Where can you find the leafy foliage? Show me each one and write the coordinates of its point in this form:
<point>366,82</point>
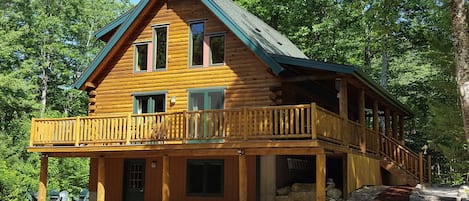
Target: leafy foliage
<point>415,39</point>
<point>44,44</point>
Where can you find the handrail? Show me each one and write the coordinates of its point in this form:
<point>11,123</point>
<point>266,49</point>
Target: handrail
<point>402,156</point>
<point>273,122</point>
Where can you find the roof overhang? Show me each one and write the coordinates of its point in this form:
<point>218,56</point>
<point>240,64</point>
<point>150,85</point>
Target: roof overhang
<point>348,70</point>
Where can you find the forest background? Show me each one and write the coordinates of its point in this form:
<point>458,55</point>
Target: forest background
<point>405,45</point>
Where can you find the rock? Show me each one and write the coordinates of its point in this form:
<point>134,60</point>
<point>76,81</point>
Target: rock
<point>334,193</point>
<point>463,192</point>
<point>284,191</point>
<point>303,187</point>
<point>302,196</point>
<point>331,191</point>
<point>282,198</point>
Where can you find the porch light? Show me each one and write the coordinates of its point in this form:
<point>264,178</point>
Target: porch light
<point>172,100</point>
<point>153,164</point>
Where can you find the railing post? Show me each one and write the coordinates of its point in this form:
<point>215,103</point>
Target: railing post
<point>76,131</point>
<point>246,128</point>
<point>421,167</point>
<point>129,128</point>
<point>314,119</point>
<point>186,127</point>
<point>32,135</point>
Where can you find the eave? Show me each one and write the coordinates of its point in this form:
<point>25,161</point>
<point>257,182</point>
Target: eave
<point>345,69</point>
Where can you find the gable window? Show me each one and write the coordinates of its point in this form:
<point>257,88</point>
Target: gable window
<point>160,46</point>
<point>149,103</point>
<point>205,177</point>
<point>141,57</point>
<point>205,49</point>
<point>217,49</point>
<point>197,31</point>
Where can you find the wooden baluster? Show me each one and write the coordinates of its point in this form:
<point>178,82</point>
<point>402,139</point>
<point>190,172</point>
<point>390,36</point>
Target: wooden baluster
<point>245,123</point>
<point>297,121</point>
<point>76,131</point>
<point>186,127</point>
<point>129,129</point>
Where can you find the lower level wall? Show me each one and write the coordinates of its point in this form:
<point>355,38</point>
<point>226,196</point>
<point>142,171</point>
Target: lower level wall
<point>114,178</point>
<point>362,170</point>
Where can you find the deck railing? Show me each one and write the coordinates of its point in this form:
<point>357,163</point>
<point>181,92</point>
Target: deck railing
<point>275,122</point>
<point>239,124</point>
<point>300,122</point>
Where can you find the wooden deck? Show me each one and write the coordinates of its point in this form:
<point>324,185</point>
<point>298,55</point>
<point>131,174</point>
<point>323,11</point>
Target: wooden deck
<point>294,122</point>
<point>288,130</point>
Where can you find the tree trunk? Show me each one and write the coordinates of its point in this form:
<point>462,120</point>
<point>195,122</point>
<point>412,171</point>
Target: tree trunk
<point>367,49</point>
<point>44,87</point>
<point>384,68</point>
<point>461,56</point>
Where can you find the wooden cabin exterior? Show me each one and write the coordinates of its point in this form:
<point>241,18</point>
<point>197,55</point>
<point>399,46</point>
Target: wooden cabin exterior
<point>200,100</point>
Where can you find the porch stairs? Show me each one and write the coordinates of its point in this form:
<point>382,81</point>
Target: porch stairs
<point>402,162</point>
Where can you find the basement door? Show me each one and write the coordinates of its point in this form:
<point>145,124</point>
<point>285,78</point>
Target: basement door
<point>134,180</point>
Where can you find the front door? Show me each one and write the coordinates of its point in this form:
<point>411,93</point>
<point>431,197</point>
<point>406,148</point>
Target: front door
<point>205,124</point>
<point>134,180</point>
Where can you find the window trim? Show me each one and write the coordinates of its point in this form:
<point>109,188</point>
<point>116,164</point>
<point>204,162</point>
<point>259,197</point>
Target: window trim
<point>136,95</point>
<point>222,178</point>
<point>209,36</point>
<point>135,62</point>
<point>155,46</point>
<point>191,22</point>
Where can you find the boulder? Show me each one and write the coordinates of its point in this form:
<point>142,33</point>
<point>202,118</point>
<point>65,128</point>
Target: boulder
<point>282,198</point>
<point>303,187</point>
<point>284,191</point>
<point>302,196</point>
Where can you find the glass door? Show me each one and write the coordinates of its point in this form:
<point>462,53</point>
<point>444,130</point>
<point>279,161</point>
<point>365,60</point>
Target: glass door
<point>203,123</point>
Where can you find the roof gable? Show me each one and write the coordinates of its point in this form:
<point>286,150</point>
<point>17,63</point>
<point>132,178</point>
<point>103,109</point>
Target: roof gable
<point>112,42</point>
<point>262,39</point>
<point>273,48</point>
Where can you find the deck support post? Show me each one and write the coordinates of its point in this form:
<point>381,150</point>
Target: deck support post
<point>394,125</point>
<point>314,119</point>
<point>321,177</point>
<point>42,190</point>
<point>401,129</point>
<point>421,168</point>
<point>361,110</point>
<point>429,170</point>
<point>101,191</point>
<point>387,122</point>
<point>343,108</point>
<point>165,191</point>
<point>243,177</point>
<point>376,123</point>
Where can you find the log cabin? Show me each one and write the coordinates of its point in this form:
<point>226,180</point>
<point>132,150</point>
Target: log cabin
<point>201,100</point>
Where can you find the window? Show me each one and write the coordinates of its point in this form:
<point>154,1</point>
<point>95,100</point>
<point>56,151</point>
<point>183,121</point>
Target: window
<point>217,49</point>
<point>205,177</point>
<point>160,44</point>
<point>197,44</point>
<point>141,57</point>
<point>149,104</point>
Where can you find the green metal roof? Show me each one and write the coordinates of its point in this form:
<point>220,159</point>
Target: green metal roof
<point>113,25</point>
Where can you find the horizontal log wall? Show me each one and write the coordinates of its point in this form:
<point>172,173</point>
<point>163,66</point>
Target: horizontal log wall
<point>245,77</point>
